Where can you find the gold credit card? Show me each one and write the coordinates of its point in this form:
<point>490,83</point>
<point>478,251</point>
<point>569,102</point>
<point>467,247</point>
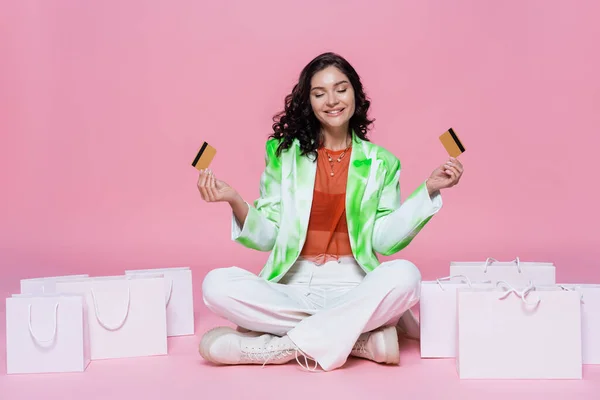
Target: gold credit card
<point>452,143</point>
<point>204,157</point>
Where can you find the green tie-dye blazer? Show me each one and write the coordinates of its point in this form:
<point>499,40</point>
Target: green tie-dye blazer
<point>377,221</point>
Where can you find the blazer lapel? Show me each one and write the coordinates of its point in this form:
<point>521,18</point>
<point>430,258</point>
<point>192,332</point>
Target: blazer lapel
<point>358,176</point>
<point>303,175</point>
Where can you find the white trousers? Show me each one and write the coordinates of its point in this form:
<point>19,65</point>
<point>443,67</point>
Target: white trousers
<point>323,309</point>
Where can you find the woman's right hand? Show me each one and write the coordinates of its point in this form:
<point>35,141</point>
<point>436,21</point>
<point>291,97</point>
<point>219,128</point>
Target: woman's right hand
<point>214,190</point>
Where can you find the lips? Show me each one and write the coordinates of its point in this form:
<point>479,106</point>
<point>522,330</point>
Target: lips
<point>334,113</point>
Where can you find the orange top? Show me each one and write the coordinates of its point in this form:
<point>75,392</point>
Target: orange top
<point>327,237</point>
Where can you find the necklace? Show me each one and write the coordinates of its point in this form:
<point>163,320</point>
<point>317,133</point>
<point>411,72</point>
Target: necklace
<point>341,156</point>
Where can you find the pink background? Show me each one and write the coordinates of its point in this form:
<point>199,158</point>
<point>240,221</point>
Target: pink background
<point>103,106</point>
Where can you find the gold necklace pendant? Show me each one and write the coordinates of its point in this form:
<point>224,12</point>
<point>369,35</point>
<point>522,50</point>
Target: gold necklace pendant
<point>339,159</point>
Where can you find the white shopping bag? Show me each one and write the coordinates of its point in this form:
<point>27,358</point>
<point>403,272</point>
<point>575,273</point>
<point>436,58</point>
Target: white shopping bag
<point>45,284</point>
<point>437,315</point>
<point>504,333</point>
<point>590,320</point>
<point>180,298</point>
<point>516,273</point>
<point>46,333</point>
<point>127,316</point>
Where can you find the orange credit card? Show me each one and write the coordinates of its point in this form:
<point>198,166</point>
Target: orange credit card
<point>452,143</point>
<point>204,157</point>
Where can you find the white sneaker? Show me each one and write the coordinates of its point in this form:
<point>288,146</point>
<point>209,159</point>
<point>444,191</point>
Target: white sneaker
<point>224,345</point>
<point>248,332</point>
<point>380,345</point>
<point>408,326</point>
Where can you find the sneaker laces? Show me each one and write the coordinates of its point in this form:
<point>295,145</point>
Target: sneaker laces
<point>276,353</point>
<point>306,358</point>
<point>266,354</point>
<point>360,346</point>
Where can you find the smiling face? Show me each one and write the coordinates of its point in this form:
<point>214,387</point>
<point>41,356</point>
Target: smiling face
<point>332,98</point>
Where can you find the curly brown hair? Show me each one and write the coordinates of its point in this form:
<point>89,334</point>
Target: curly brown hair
<point>298,121</point>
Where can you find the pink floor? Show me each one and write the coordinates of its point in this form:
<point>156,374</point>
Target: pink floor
<point>184,375</point>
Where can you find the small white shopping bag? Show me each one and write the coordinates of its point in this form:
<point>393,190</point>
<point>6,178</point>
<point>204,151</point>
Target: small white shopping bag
<point>180,298</point>
<point>590,320</point>
<point>516,273</point>
<point>437,315</point>
<point>127,316</point>
<point>505,333</point>
<point>46,333</point>
<point>45,284</point>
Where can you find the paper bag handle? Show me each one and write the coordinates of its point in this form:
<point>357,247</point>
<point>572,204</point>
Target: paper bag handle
<point>122,322</point>
<point>170,293</point>
<point>35,337</point>
<point>490,260</point>
<point>573,290</point>
<point>446,278</point>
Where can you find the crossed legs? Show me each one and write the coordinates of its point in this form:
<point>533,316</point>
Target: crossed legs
<point>326,333</point>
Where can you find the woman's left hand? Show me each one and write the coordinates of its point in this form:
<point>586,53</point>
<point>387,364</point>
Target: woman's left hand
<point>445,176</point>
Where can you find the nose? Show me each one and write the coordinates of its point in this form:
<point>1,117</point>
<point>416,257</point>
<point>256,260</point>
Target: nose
<point>332,100</point>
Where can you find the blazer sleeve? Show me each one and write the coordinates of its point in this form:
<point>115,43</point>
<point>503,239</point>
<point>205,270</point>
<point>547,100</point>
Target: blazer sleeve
<point>261,226</point>
<point>396,223</point>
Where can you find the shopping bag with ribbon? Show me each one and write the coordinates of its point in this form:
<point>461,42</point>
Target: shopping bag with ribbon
<point>590,319</point>
<point>517,273</point>
<point>510,333</point>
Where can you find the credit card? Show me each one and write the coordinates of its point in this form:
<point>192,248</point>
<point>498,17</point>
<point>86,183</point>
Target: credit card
<point>452,143</point>
<point>204,157</point>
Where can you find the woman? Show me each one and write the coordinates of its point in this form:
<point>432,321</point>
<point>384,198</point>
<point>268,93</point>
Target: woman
<point>329,200</point>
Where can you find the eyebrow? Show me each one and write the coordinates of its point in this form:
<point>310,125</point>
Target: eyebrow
<point>322,88</point>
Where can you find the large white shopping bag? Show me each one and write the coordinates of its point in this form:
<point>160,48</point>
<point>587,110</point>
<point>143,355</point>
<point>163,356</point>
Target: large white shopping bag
<point>590,320</point>
<point>437,315</point>
<point>127,316</point>
<point>180,298</point>
<point>46,333</point>
<point>505,333</point>
<point>45,284</point>
<point>516,273</point>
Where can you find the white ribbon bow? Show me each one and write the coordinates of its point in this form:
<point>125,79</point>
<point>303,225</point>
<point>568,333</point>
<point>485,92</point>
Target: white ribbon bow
<point>522,294</point>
